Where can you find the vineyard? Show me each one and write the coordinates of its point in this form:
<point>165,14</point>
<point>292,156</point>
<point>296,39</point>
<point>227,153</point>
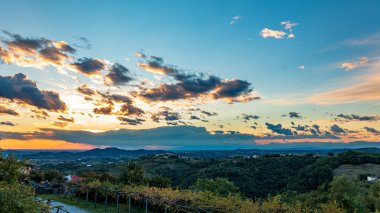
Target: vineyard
<point>153,199</point>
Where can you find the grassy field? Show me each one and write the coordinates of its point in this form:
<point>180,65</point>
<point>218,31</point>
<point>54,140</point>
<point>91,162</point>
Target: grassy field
<point>355,170</point>
<point>90,205</point>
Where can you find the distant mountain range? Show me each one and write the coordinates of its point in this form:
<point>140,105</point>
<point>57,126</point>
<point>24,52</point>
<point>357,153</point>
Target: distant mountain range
<point>110,152</point>
<point>113,152</point>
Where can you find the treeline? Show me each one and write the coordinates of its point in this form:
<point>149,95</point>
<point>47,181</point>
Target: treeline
<point>255,178</point>
<point>267,175</point>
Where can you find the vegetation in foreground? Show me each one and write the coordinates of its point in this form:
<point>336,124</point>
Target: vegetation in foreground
<point>16,197</point>
<point>308,188</point>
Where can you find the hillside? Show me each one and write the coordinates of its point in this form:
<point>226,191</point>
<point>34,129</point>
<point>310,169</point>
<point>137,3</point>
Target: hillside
<point>356,170</point>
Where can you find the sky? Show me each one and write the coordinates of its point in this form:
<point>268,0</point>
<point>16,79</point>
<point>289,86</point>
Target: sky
<point>189,74</point>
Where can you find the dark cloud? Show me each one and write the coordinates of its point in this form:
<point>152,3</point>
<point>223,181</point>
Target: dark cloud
<point>203,112</point>
<point>354,117</point>
<point>372,130</point>
<point>85,90</point>
<point>40,114</point>
<point>66,119</point>
<point>204,88</point>
<point>247,117</point>
<point>30,45</point>
<point>293,115</point>
<point>193,117</point>
<point>23,90</point>
<point>172,123</point>
<point>197,84</point>
<point>233,89</point>
<point>166,115</point>
<point>7,111</point>
<point>337,129</point>
<point>193,85</point>
<point>164,92</point>
<point>208,113</point>
<point>103,110</point>
<point>157,59</point>
<point>116,98</point>
<point>53,56</point>
<point>302,128</point>
<point>129,121</point>
<point>129,109</point>
<point>89,66</point>
<point>315,130</point>
<point>6,123</point>
<point>277,128</point>
<point>118,75</point>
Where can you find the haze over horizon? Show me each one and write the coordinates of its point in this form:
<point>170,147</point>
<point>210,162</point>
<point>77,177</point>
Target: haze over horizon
<point>178,75</point>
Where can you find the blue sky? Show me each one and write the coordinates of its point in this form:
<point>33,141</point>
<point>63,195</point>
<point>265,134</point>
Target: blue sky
<point>324,63</point>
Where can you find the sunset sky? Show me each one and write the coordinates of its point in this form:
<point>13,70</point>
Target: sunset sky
<point>188,74</point>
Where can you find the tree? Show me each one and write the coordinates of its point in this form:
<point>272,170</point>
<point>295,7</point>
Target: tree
<point>160,182</point>
<point>15,197</point>
<point>10,169</point>
<point>218,186</point>
<point>106,177</point>
<point>54,176</point>
<point>348,193</point>
<point>90,176</point>
<point>133,175</point>
<point>374,195</point>
<point>36,176</point>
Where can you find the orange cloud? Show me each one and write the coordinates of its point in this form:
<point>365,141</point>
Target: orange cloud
<point>42,144</point>
<point>354,64</point>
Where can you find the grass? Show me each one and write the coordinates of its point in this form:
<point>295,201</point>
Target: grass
<point>90,205</point>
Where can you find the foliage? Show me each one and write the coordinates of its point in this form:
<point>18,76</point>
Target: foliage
<point>10,169</point>
<point>106,177</point>
<point>160,182</point>
<point>217,186</point>
<point>175,198</point>
<point>374,195</point>
<point>14,196</point>
<point>37,176</point>
<point>134,174</point>
<point>54,176</point>
<point>348,193</point>
<point>331,207</point>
